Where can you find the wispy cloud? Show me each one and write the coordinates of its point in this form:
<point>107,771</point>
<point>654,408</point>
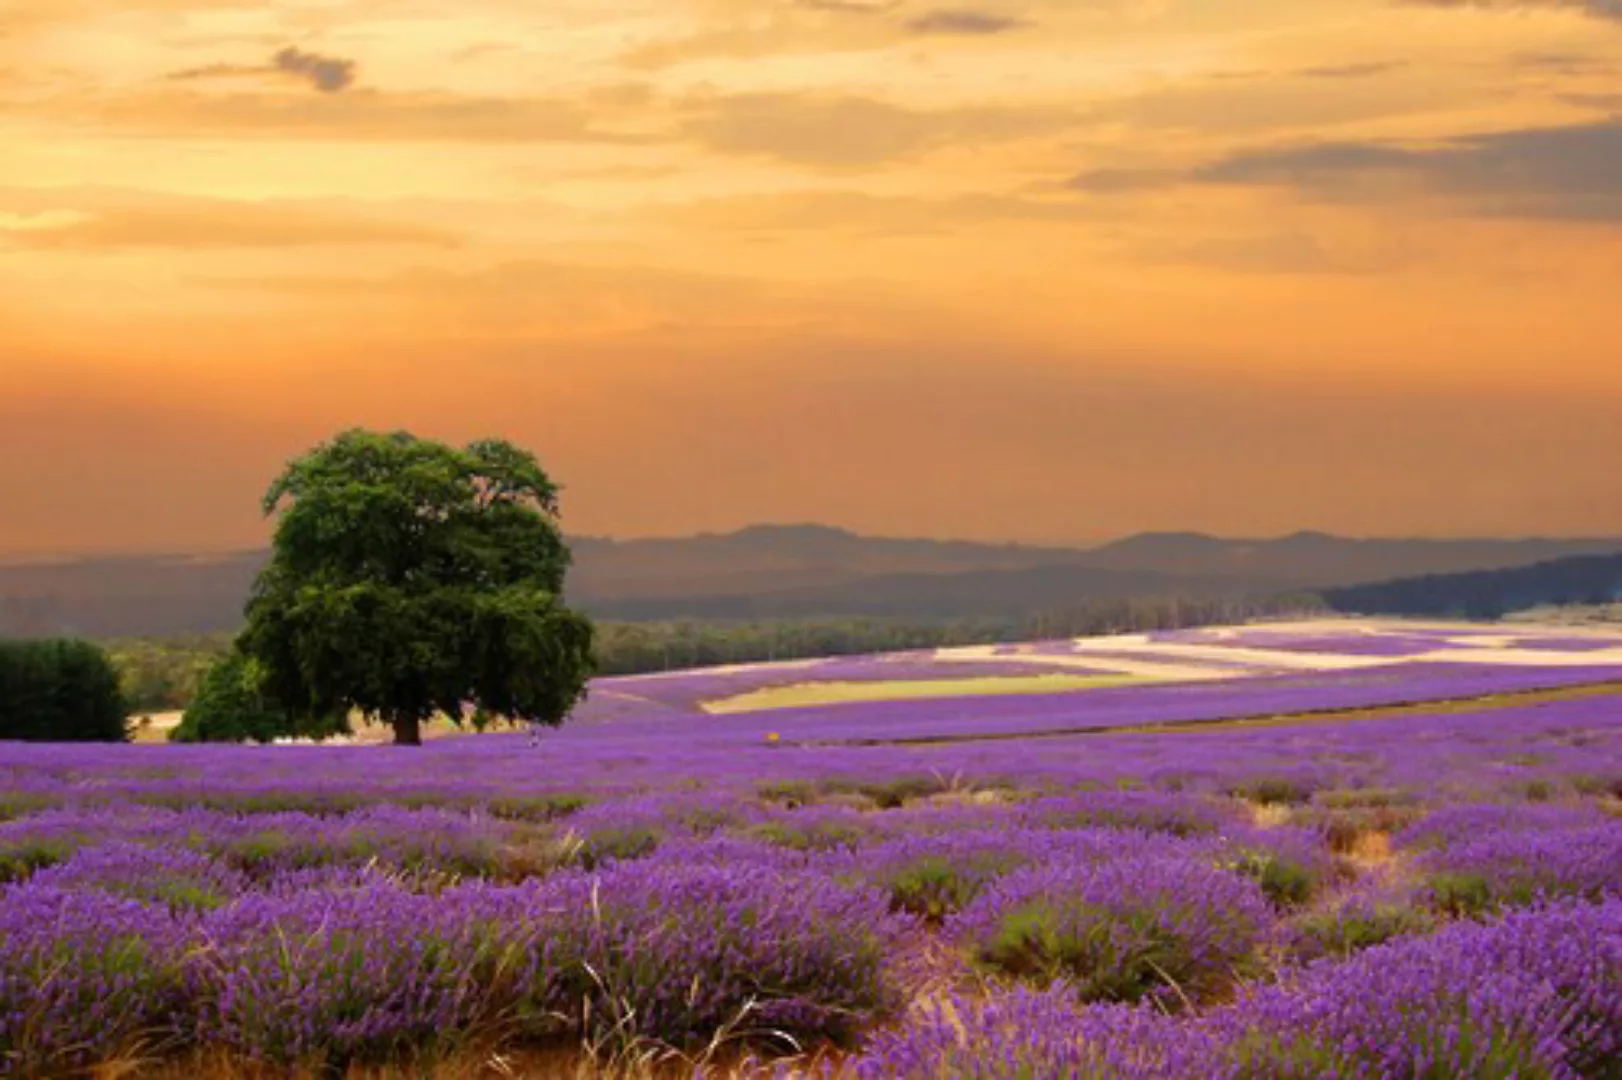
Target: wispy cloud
<point>843,132</point>
<point>965,22</point>
<point>1352,71</point>
<point>1566,172</point>
<point>210,225</point>
<point>1599,9</point>
<point>328,74</point>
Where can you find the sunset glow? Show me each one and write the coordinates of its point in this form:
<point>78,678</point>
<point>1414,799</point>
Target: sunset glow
<point>1028,269</point>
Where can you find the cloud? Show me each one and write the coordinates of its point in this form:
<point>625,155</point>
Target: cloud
<point>328,74</point>
<point>850,132</point>
<point>1599,9</point>
<point>1553,172</point>
<point>965,21</point>
<point>362,115</point>
<point>209,225</point>
<point>849,7</point>
<point>862,214</point>
<point>1352,71</point>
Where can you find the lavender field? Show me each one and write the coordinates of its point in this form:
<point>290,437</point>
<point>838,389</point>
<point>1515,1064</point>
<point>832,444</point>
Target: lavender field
<point>1275,853</point>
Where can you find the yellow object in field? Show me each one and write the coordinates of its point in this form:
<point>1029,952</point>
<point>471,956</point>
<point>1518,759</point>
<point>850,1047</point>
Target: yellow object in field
<point>772,737</point>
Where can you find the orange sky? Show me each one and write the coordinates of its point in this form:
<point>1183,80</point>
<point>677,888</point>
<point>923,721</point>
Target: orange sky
<point>1035,269</point>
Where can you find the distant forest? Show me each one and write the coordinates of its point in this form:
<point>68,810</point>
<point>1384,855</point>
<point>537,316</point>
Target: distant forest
<point>162,674</point>
<point>1488,594</point>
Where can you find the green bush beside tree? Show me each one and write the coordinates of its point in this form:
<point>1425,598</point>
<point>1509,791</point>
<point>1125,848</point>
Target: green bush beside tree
<point>60,691</point>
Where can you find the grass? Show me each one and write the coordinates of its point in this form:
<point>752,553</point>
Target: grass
<point>836,693</point>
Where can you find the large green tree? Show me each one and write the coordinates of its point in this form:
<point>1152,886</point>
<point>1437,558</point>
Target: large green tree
<point>409,578</point>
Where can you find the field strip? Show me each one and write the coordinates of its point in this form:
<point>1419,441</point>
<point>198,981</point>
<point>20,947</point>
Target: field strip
<point>845,692</point>
<point>1481,703</point>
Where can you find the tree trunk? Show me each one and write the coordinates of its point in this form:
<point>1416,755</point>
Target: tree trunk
<point>407,732</point>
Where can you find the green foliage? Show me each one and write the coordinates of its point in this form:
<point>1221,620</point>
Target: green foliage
<point>934,888</point>
<point>1465,895</point>
<point>1040,944</point>
<point>536,808</point>
<point>232,707</point>
<point>21,857</point>
<point>409,579</point>
<point>164,675</point>
<point>615,844</point>
<point>1341,933</point>
<point>59,691</point>
<point>1286,882</point>
<point>1274,791</point>
<point>814,835</point>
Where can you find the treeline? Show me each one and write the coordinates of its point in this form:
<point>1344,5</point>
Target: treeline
<point>1489,594</point>
<point>164,675</point>
<point>59,691</point>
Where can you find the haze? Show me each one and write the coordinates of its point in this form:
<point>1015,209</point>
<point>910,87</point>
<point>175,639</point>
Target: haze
<point>1038,269</point>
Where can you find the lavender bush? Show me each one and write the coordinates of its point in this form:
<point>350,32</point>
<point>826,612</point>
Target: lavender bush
<point>1126,930</point>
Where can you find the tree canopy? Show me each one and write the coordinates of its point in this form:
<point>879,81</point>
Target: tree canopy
<point>409,579</point>
<point>59,691</point>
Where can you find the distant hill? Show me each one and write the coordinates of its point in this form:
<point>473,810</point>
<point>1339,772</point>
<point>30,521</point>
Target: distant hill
<point>1586,579</point>
<point>1319,559</point>
<point>766,559</point>
<point>772,571</point>
<point>972,594</point>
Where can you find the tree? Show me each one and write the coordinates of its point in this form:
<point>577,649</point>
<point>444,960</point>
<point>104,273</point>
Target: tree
<point>231,706</point>
<point>60,691</point>
<point>409,578</point>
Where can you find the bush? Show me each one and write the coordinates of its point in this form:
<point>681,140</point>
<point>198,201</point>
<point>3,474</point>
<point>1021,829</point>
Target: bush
<point>230,707</point>
<point>934,876</point>
<point>1291,865</point>
<point>1119,931</point>
<point>1514,869</point>
<point>83,977</point>
<point>1034,1035</point>
<point>59,691</point>
<point>175,878</point>
<point>1538,994</point>
<point>677,950</point>
<point>1359,924</point>
<point>329,977</point>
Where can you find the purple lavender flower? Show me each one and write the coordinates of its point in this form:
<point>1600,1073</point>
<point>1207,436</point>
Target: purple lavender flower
<point>1170,929</point>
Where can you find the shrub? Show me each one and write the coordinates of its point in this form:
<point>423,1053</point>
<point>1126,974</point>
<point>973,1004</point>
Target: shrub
<point>1291,865</point>
<point>1034,1035</point>
<point>60,691</point>
<point>329,977</point>
<point>175,878</point>
<point>1274,791</point>
<point>1119,931</point>
<point>537,808</point>
<point>1359,924</point>
<point>934,876</point>
<point>230,707</point>
<point>1179,815</point>
<point>83,976</point>
<point>677,950</point>
<point>1515,868</point>
<point>1538,994</point>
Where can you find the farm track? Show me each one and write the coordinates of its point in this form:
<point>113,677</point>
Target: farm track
<point>1439,706</point>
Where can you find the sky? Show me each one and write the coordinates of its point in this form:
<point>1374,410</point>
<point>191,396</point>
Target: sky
<point>1046,270</point>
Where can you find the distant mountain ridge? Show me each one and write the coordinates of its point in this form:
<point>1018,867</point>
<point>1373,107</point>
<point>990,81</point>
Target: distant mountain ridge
<point>769,571</point>
<point>1578,579</point>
